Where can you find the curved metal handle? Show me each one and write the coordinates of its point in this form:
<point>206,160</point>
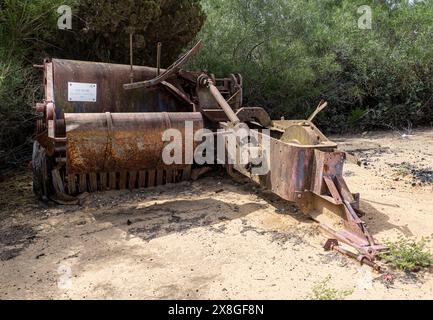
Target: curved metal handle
<point>173,69</point>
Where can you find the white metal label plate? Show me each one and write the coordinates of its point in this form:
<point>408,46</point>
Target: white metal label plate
<point>82,92</point>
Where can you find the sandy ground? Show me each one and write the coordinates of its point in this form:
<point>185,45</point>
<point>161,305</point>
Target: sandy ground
<point>214,238</point>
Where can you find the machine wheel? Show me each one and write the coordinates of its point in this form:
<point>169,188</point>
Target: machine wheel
<point>41,173</point>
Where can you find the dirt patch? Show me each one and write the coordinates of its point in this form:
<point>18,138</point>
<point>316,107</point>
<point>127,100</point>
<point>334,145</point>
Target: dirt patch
<point>14,239</point>
<point>16,193</point>
<point>412,172</point>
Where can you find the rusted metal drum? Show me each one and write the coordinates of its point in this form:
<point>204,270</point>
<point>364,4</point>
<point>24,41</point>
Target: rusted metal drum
<point>110,95</point>
<point>114,142</point>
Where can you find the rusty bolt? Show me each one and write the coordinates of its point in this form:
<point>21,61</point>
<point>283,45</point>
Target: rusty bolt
<point>204,80</point>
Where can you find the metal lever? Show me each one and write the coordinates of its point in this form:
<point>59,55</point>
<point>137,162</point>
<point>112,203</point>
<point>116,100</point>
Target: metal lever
<point>206,82</point>
<point>322,105</point>
<point>173,69</point>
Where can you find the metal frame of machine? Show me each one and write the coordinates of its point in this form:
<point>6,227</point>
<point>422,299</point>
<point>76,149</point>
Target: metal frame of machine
<point>115,142</point>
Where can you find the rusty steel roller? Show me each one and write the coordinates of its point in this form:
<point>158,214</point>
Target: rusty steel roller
<point>113,142</point>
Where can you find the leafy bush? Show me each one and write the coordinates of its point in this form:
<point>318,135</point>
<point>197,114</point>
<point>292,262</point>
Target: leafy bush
<point>17,94</point>
<point>101,30</point>
<point>408,254</point>
<point>294,53</point>
<point>24,24</point>
<point>322,291</point>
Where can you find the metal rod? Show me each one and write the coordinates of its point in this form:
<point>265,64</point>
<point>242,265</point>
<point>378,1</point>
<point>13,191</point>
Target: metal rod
<point>131,57</point>
<point>332,244</point>
<point>174,69</point>
<point>360,258</point>
<point>158,58</point>
<point>234,95</point>
<point>322,105</point>
<point>223,104</point>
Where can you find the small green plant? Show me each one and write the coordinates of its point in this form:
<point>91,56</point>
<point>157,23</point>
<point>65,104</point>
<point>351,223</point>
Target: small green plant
<point>408,254</point>
<point>403,169</point>
<point>322,291</point>
<point>356,115</point>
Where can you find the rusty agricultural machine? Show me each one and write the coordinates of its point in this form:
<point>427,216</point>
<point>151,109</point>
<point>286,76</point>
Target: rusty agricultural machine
<point>102,125</point>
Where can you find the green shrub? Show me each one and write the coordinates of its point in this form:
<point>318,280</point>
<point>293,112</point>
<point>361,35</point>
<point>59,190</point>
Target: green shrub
<point>322,291</point>
<point>18,91</point>
<point>24,26</point>
<point>101,30</point>
<point>294,53</point>
<point>408,254</point>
